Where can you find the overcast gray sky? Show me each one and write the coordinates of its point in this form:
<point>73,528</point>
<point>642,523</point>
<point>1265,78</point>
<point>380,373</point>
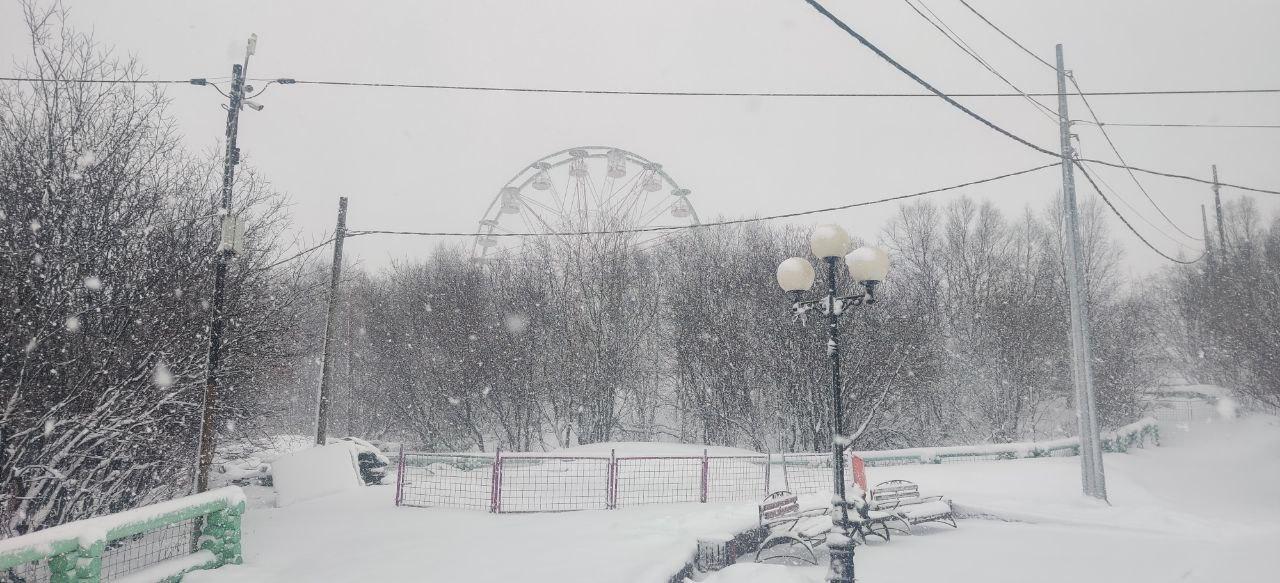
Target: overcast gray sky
<point>432,160</point>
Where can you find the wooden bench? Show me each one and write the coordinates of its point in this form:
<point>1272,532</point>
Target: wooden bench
<point>902,499</point>
<point>784,522</point>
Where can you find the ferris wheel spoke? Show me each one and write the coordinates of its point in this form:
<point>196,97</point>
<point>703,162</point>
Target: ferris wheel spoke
<point>661,210</point>
<point>545,225</point>
<point>629,186</point>
<point>555,195</point>
<point>529,201</point>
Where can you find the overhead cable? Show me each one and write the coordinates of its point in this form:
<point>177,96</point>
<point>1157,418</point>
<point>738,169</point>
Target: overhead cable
<point>357,233</point>
<point>1125,221</point>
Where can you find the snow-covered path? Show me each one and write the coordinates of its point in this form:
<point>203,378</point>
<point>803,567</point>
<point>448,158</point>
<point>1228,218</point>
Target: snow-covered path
<point>362,536</point>
<point>1205,507</point>
<point>1202,508</point>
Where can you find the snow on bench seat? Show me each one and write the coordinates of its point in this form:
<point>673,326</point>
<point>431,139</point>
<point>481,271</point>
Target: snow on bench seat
<point>925,511</point>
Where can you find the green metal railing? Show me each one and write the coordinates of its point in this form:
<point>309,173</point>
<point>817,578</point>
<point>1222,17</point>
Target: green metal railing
<point>73,552</point>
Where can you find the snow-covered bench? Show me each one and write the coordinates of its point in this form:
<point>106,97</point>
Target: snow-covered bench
<point>903,501</point>
<point>786,523</point>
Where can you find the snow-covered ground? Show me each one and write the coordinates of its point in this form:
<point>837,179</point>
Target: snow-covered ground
<point>1202,508</point>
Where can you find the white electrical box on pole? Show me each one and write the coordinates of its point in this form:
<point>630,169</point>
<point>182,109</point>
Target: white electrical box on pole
<point>1092,475</point>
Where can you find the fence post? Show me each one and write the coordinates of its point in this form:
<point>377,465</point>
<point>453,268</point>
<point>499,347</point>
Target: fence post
<point>768,465</point>
<point>612,491</point>
<point>400,476</point>
<point>221,535</point>
<point>704,475</point>
<point>495,483</point>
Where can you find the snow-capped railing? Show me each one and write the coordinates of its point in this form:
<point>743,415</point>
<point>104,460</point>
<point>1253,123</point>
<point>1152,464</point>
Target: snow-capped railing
<point>152,543</point>
<point>1137,433</point>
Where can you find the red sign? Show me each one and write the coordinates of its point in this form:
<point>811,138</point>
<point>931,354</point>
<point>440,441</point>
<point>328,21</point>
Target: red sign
<point>859,474</point>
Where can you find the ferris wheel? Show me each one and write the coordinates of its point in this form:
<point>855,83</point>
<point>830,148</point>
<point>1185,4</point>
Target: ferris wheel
<point>584,189</point>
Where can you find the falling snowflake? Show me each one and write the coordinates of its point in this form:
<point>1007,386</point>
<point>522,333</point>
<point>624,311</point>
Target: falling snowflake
<point>162,377</point>
<point>87,159</point>
<point>73,324</point>
<point>516,323</point>
<point>93,283</point>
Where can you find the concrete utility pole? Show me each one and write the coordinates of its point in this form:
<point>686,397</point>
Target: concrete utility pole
<point>1217,203</point>
<point>1091,471</point>
<point>331,323</point>
<point>222,257</point>
<point>1208,246</point>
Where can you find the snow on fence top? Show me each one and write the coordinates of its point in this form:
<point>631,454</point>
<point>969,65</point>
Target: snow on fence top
<point>1117,440</point>
<point>82,545</point>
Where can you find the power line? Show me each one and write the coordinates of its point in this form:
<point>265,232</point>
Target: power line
<point>483,88</point>
<point>503,89</point>
<point>299,254</point>
<point>109,81</point>
<point>861,39</point>
<point>1172,238</point>
<point>1179,176</point>
<point>1006,35</point>
<point>1120,157</point>
<point>822,10</point>
<point>357,233</point>
<point>1126,222</point>
<point>1260,126</point>
<point>955,39</point>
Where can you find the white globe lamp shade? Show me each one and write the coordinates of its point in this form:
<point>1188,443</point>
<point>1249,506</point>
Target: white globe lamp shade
<point>829,241</point>
<point>795,274</point>
<point>868,264</point>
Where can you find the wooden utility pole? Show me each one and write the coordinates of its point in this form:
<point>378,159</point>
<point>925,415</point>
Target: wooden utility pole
<point>222,257</point>
<point>351,387</point>
<point>1091,471</point>
<point>331,323</point>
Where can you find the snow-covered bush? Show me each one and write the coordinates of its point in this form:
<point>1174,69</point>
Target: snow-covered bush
<point>106,235</point>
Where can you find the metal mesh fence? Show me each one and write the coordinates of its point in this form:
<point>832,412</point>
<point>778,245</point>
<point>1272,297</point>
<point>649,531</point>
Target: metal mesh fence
<point>36,572</point>
<point>807,472</point>
<point>731,479</point>
<point>1172,413</point>
<point>548,484</point>
<point>130,554</point>
<point>542,483</point>
<point>446,480</point>
<point>658,480</point>
<point>123,556</point>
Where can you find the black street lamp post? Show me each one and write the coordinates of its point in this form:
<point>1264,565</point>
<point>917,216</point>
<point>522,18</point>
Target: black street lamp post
<point>867,266</point>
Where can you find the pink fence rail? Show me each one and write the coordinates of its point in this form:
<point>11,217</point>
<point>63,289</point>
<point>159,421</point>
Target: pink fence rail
<point>520,482</point>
